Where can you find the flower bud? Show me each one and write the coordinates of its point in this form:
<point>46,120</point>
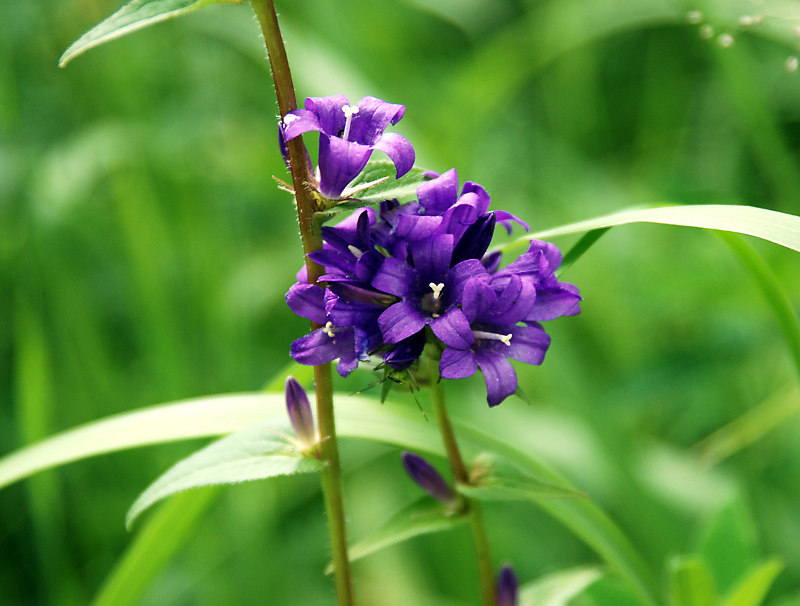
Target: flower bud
<point>507,592</point>
<point>427,477</point>
<point>300,412</point>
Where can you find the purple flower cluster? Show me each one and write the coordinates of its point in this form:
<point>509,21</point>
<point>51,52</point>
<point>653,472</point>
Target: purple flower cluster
<point>406,274</point>
<point>348,136</point>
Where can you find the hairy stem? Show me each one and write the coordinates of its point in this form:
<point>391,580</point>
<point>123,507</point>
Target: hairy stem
<point>312,240</point>
<point>460,476</point>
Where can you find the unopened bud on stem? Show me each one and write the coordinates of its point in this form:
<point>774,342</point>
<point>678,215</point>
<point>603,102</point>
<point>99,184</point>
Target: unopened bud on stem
<point>300,412</point>
<point>428,478</point>
<point>507,587</point>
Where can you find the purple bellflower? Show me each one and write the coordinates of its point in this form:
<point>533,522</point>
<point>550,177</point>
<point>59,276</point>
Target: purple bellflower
<point>348,136</point>
<point>424,474</point>
<point>507,591</point>
<point>406,274</point>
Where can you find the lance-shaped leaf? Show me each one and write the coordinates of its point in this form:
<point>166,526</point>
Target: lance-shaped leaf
<point>558,588</point>
<point>777,227</point>
<point>421,517</point>
<point>377,182</point>
<point>134,15</point>
<point>752,590</point>
<point>691,582</point>
<point>254,453</point>
<point>494,478</point>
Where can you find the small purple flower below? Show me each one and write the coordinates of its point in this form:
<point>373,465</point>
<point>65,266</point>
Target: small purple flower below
<point>300,412</point>
<point>507,592</point>
<point>348,136</point>
<point>428,478</point>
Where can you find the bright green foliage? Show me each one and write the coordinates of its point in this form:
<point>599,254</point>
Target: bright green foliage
<point>255,453</point>
<point>381,174</point>
<point>781,228</point>
<point>753,588</point>
<point>691,583</point>
<point>425,516</point>
<point>131,17</point>
<point>496,479</point>
<point>558,588</point>
<point>145,253</point>
<point>153,546</point>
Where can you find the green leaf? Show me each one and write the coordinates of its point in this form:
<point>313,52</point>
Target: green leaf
<point>497,479</point>
<point>749,428</point>
<point>422,517</point>
<point>254,453</point>
<point>773,291</point>
<point>196,418</point>
<point>780,228</point>
<point>558,588</point>
<point>153,547</point>
<point>381,174</point>
<point>581,246</point>
<point>752,590</point>
<point>134,15</point>
<point>728,543</point>
<point>356,417</point>
<point>691,582</point>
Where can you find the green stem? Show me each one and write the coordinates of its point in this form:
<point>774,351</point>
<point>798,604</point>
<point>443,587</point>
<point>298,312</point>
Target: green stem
<point>312,240</point>
<point>460,476</point>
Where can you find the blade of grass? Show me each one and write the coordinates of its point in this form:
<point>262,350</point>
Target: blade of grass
<point>165,532</point>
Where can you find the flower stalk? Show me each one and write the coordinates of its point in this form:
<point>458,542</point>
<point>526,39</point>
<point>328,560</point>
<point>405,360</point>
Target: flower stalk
<point>312,240</point>
<point>461,476</point>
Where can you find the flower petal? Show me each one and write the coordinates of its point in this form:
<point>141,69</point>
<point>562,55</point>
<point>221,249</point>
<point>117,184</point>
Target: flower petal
<point>307,301</point>
<point>475,240</point>
<point>453,329</point>
<point>501,380</point>
<point>550,251</point>
<point>328,111</point>
<point>459,274</point>
<point>414,227</point>
<point>477,299</point>
<point>554,303</point>
<point>506,218</point>
<point>340,162</point>
<point>373,116</point>
<point>483,199</point>
<point>327,257</point>
<point>318,347</point>
<point>515,299</point>
<point>298,122</point>
<point>492,261</point>
<point>528,344</point>
<point>399,322</point>
<point>457,363</point>
<point>398,149</point>
<point>432,257</point>
<point>403,355</point>
<point>440,193</point>
<point>395,277</point>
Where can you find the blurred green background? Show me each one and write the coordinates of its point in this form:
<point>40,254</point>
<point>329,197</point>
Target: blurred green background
<point>145,252</point>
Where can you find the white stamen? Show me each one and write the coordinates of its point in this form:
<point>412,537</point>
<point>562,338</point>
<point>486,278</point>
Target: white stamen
<point>437,290</point>
<point>349,112</point>
<point>328,329</point>
<point>491,336</point>
<point>357,252</point>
